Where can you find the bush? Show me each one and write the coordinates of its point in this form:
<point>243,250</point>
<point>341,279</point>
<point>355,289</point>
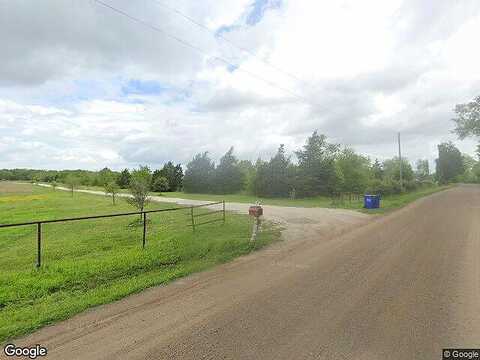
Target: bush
<point>160,184</point>
<point>411,185</point>
<point>426,183</point>
<point>384,187</point>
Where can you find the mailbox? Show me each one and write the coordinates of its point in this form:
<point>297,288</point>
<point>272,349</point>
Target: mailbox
<point>256,211</point>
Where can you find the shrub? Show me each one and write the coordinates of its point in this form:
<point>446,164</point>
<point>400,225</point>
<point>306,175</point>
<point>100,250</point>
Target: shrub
<point>160,184</point>
<point>384,187</point>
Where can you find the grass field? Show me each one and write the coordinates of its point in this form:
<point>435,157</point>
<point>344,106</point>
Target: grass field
<point>387,203</point>
<point>92,262</point>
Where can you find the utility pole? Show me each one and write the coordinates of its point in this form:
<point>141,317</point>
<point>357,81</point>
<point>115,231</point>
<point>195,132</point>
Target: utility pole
<point>400,159</point>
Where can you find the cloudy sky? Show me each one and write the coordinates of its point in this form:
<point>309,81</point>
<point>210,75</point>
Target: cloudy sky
<point>83,86</point>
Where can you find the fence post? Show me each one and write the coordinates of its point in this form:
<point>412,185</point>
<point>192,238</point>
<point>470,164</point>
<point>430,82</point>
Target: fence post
<point>223,211</point>
<point>144,229</point>
<point>39,244</point>
<point>193,219</point>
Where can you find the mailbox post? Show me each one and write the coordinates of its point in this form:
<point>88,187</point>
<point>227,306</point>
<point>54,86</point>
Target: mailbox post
<point>256,211</point>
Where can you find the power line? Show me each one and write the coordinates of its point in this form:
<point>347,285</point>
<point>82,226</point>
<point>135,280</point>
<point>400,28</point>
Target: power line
<point>215,34</point>
<point>197,49</point>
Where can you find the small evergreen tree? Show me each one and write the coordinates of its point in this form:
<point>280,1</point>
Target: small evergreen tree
<point>199,175</point>
<point>316,166</point>
<point>160,184</point>
<point>449,163</point>
<point>229,177</point>
<point>173,174</point>
<point>177,182</point>
<point>123,180</point>
<point>275,178</point>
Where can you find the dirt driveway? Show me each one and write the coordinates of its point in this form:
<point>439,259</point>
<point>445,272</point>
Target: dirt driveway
<point>402,286</point>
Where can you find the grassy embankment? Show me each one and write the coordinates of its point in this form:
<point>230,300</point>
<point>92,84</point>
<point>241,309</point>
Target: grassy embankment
<point>87,263</point>
<point>388,203</point>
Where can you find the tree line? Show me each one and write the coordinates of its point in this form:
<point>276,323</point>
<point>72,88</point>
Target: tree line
<point>318,168</point>
<point>323,168</point>
<point>168,178</point>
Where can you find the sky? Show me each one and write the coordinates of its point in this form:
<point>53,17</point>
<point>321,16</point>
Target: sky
<point>83,86</point>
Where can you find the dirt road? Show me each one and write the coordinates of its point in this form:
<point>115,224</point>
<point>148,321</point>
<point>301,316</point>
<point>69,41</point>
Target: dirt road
<point>401,287</point>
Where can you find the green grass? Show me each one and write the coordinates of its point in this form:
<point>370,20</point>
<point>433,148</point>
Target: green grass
<point>388,203</point>
<point>92,262</point>
<point>392,202</point>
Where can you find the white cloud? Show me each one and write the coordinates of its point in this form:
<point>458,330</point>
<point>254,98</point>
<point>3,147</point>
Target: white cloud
<point>368,69</point>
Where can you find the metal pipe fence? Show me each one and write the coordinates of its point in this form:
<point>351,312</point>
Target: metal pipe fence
<point>143,214</point>
<point>343,197</point>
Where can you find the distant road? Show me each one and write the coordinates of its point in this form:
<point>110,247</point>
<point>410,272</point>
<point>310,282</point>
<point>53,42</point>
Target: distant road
<point>400,287</point>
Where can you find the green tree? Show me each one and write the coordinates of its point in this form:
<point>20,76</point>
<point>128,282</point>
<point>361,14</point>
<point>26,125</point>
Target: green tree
<point>449,163</point>
<point>112,189</point>
<point>173,174</point>
<point>377,170</point>
<point>259,181</point>
<point>105,176</point>
<point>354,171</point>
<point>155,175</point>
<point>160,184</point>
<point>470,166</point>
<point>476,172</point>
<point>275,178</point>
<point>249,172</point>
<point>468,162</point>
<point>177,182</point>
<point>199,175</point>
<point>391,168</point>
<point>72,182</point>
<point>123,180</point>
<point>142,174</point>
<point>229,177</point>
<point>140,183</point>
<point>422,172</point>
<point>468,119</point>
<point>317,174</point>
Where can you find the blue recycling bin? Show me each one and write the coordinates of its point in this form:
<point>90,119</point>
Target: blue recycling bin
<point>371,201</point>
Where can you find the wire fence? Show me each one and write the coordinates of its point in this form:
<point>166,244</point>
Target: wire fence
<point>147,221</point>
<point>344,197</point>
